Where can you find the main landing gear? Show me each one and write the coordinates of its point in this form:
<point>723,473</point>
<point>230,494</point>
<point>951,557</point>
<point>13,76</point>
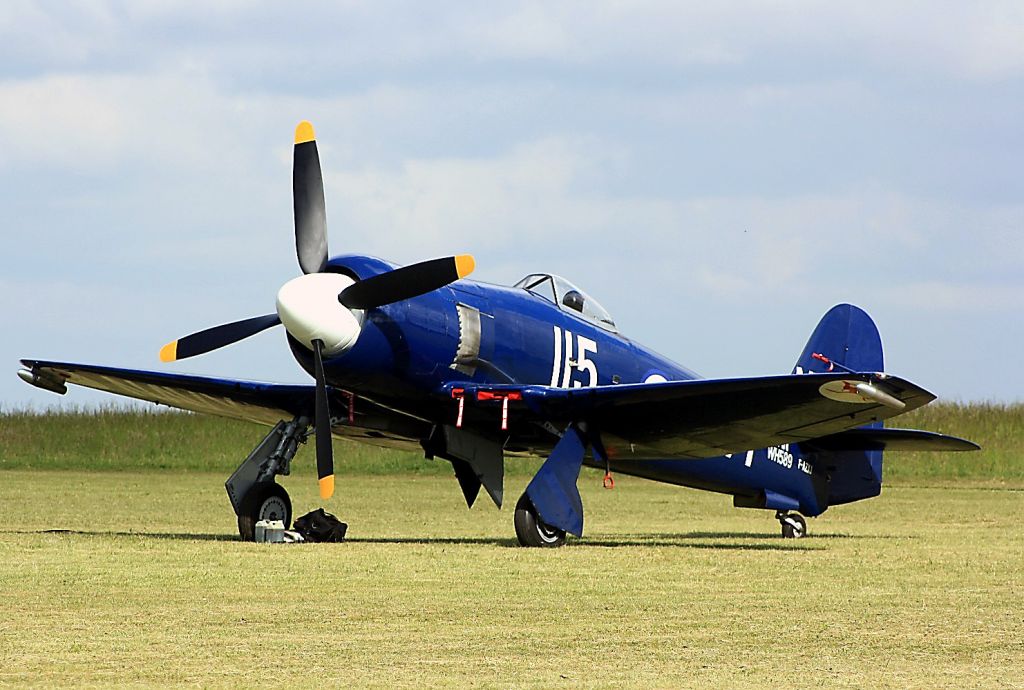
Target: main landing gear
<point>531,531</point>
<point>264,501</point>
<point>253,492</point>
<point>794,526</point>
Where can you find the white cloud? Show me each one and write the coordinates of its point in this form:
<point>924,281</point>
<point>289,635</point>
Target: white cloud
<point>528,202</point>
<point>981,40</point>
<point>484,202</point>
<point>90,122</point>
<point>64,120</point>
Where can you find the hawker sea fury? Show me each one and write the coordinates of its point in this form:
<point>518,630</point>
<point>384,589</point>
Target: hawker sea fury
<point>418,357</point>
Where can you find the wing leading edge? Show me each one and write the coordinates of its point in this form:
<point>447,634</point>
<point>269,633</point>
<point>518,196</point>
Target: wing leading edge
<point>263,403</point>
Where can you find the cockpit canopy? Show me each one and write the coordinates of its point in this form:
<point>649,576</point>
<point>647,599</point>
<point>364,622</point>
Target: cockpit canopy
<point>568,297</point>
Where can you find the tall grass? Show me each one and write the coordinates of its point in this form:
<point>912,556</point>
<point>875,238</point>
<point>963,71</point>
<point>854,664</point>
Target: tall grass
<point>997,427</point>
<point>141,438</point>
<point>119,438</point>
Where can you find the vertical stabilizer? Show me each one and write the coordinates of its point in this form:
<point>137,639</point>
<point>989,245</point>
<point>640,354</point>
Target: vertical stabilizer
<point>847,336</point>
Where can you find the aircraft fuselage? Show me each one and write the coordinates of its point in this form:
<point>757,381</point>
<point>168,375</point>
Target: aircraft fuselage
<point>412,353</point>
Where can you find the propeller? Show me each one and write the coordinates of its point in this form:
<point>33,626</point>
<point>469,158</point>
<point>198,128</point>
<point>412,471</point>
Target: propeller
<point>322,424</point>
<point>308,199</point>
<point>321,310</point>
<point>406,282</point>
<point>216,337</point>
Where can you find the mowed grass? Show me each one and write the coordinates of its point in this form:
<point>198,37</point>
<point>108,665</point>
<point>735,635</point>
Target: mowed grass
<point>998,428</point>
<point>921,587</point>
<point>119,564</point>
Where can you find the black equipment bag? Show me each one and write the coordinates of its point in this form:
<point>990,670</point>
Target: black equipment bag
<point>319,525</point>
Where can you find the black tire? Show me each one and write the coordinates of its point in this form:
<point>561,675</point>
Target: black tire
<point>266,501</point>
<point>794,526</point>
<point>531,531</point>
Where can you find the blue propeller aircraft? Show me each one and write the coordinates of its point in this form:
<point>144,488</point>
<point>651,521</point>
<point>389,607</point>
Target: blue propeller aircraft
<point>417,357</point>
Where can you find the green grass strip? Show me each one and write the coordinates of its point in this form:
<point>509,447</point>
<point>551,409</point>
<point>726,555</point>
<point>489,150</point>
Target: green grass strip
<point>136,438</point>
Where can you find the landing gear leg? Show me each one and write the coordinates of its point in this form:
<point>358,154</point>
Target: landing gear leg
<point>252,490</point>
<point>531,531</point>
<point>793,525</point>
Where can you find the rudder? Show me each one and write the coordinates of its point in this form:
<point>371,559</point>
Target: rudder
<point>847,336</point>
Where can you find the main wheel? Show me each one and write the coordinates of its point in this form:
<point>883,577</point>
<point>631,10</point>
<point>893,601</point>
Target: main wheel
<point>265,501</point>
<point>793,526</point>
<point>531,531</point>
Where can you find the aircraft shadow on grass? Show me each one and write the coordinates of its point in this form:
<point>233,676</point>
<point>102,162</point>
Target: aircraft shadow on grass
<point>689,540</point>
<point>614,541</point>
<point>183,536</point>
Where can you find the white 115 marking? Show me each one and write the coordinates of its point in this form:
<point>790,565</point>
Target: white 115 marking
<point>563,362</point>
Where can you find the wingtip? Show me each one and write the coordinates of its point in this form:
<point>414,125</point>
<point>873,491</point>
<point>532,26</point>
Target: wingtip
<point>169,352</point>
<point>304,132</point>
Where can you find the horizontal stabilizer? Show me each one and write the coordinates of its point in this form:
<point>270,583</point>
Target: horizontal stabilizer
<point>889,439</point>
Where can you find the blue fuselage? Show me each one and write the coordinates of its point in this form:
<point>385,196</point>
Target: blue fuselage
<point>410,354</point>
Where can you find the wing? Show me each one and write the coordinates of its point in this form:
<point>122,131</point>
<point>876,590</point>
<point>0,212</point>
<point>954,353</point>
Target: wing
<point>711,417</point>
<point>251,401</point>
<point>264,403</point>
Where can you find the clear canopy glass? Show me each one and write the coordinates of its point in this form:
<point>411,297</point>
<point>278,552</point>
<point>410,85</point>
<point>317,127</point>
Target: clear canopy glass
<point>568,297</point>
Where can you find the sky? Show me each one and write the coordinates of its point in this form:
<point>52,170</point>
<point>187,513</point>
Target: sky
<point>717,175</point>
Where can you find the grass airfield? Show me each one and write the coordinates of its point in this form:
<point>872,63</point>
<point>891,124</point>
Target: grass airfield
<point>922,587</point>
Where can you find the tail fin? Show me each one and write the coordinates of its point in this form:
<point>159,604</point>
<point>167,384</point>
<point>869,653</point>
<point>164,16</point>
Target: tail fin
<point>847,336</point>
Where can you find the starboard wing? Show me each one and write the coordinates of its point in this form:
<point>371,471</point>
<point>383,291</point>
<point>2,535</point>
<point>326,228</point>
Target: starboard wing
<point>711,417</point>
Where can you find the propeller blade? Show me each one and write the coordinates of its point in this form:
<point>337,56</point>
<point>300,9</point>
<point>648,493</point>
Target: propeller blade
<point>322,426</point>
<point>406,282</point>
<point>218,336</point>
<point>308,197</point>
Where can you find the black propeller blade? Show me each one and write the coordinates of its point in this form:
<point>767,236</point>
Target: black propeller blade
<point>322,425</point>
<point>218,336</point>
<point>406,282</point>
<point>308,197</point>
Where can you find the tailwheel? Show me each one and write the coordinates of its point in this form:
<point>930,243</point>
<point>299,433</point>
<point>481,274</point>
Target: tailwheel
<point>794,526</point>
<point>531,531</point>
<point>264,501</point>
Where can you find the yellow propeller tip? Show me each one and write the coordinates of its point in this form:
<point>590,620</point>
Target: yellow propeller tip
<point>304,132</point>
<point>464,264</point>
<point>169,352</point>
<point>326,487</point>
